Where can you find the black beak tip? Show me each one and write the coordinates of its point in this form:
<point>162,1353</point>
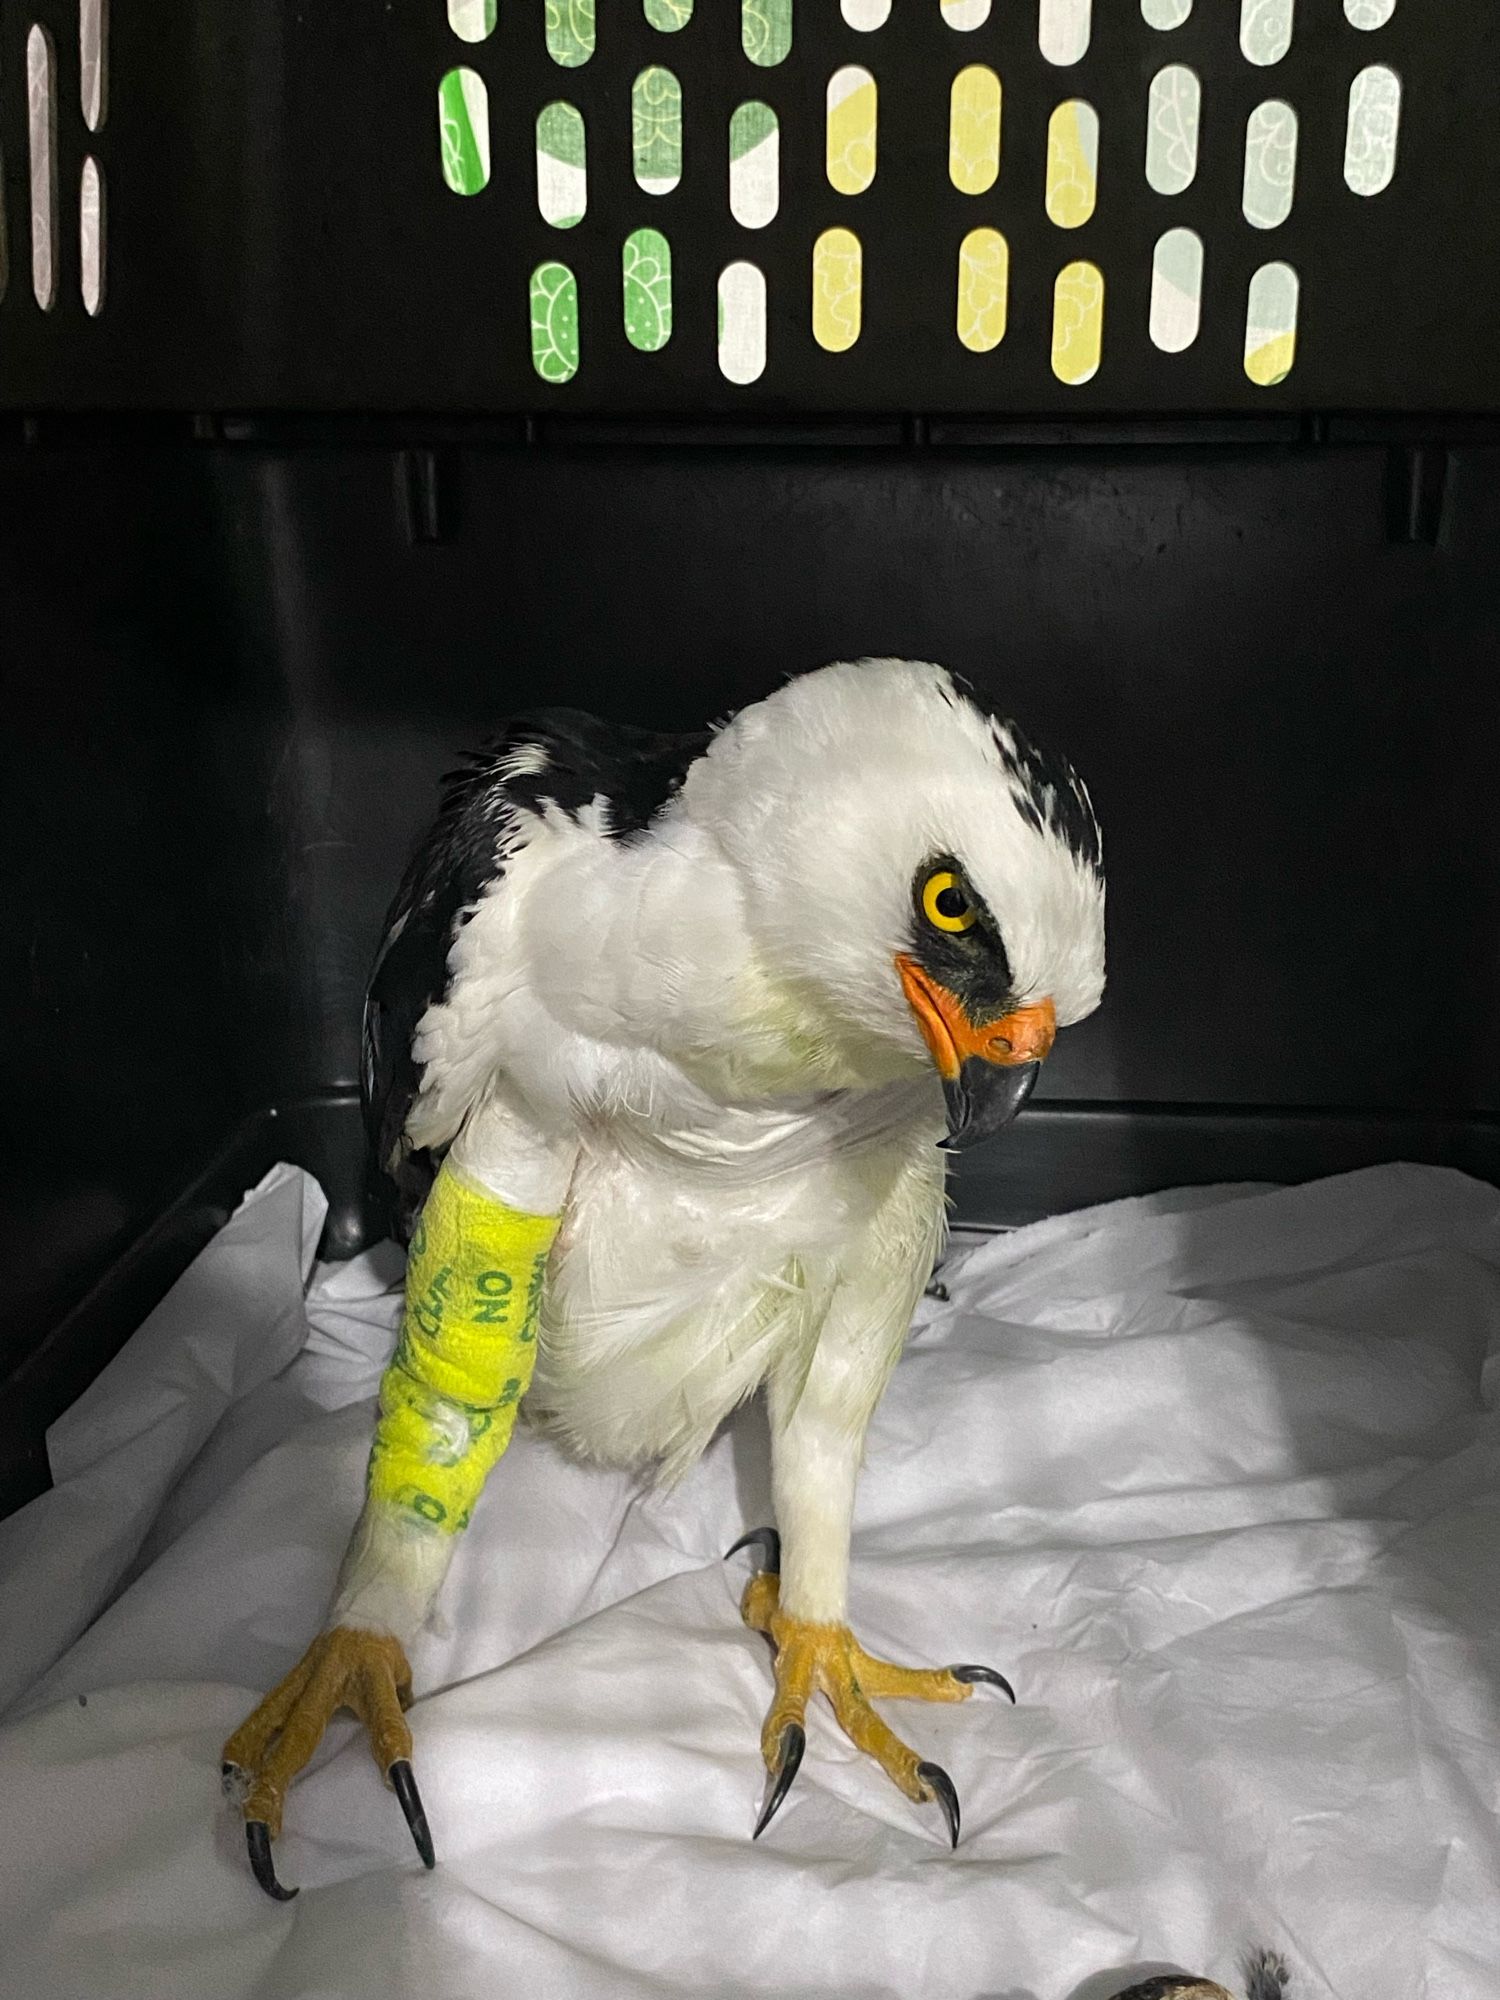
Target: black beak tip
<point>983,1099</point>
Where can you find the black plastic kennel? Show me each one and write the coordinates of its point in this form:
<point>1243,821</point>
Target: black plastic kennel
<point>368,375</point>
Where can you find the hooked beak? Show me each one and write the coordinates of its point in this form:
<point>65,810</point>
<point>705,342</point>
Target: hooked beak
<point>981,1100</point>
<point>988,1071</point>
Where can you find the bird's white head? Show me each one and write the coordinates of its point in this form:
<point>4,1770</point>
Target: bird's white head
<point>920,883</point>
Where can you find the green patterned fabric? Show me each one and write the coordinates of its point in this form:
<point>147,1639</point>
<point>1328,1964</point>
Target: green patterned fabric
<point>472,20</point>
<point>570,31</point>
<point>647,266</point>
<point>754,165</point>
<point>554,323</point>
<point>1374,125</point>
<point>1172,130</point>
<point>464,130</point>
<point>1265,30</point>
<point>751,124</point>
<point>669,15</point>
<point>766,31</point>
<point>656,127</point>
<point>559,132</point>
<point>561,165</point>
<point>1176,290</point>
<point>1270,164</point>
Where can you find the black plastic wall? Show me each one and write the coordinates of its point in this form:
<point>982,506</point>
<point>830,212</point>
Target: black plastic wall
<point>137,871</point>
<point>233,673</point>
<point>280,235</point>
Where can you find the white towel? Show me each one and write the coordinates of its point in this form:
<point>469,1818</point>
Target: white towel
<point>1213,1478</point>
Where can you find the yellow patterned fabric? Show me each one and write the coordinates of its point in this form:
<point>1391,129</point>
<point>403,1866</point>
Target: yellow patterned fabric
<point>983,284</point>
<point>974,130</point>
<point>851,139</point>
<point>838,269</point>
<point>466,1352</point>
<point>1077,323</point>
<point>1072,163</point>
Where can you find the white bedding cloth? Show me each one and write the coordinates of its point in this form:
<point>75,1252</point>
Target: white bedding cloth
<point>1212,1477</point>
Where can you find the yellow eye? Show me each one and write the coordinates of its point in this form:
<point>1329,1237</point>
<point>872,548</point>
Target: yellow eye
<point>944,903</point>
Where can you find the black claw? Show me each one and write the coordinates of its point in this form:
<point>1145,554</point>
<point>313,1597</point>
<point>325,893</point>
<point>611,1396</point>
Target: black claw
<point>793,1743</point>
<point>987,1675</point>
<point>765,1538</point>
<point>405,1785</point>
<point>941,1786</point>
<point>229,1778</point>
<point>258,1840</point>
<point>939,1291</point>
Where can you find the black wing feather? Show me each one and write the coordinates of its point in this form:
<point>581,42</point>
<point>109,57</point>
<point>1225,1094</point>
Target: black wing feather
<point>636,770</point>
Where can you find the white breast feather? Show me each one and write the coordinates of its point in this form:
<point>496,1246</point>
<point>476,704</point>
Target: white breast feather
<point>621,987</point>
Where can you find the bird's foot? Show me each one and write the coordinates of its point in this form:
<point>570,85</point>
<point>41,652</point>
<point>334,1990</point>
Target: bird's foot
<point>345,1668</point>
<point>815,1658</point>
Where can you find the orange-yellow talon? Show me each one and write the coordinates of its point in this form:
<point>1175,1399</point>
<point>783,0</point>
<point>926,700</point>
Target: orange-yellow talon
<point>893,1683</point>
<point>828,1659</point>
<point>345,1668</point>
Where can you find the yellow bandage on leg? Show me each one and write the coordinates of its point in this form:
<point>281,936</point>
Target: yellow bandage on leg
<point>464,1360</point>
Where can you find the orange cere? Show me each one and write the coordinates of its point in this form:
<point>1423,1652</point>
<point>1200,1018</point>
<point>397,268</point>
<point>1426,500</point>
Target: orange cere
<point>1024,1036</point>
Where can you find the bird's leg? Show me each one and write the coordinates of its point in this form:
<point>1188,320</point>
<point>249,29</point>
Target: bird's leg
<point>447,1407</point>
<point>801,1606</point>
